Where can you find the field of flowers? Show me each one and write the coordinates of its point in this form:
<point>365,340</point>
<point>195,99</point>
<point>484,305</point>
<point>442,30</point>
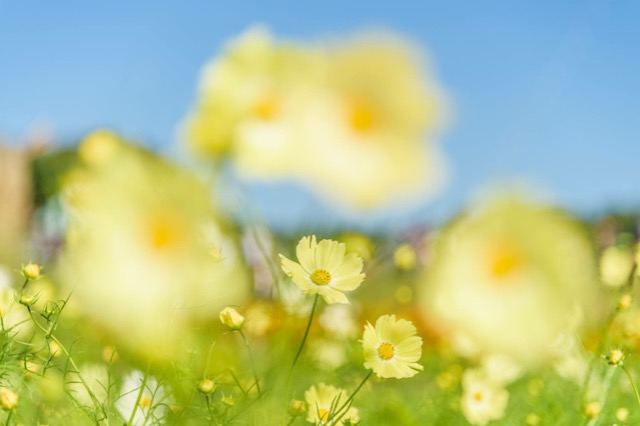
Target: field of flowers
<point>130,294</point>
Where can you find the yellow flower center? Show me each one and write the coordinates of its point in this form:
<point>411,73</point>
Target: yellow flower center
<point>164,231</point>
<point>362,117</point>
<point>505,259</point>
<point>478,396</point>
<point>386,351</point>
<point>323,414</point>
<point>145,401</point>
<point>321,277</point>
<point>266,108</point>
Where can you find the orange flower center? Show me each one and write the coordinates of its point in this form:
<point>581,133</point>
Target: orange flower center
<point>266,108</point>
<point>362,116</point>
<point>386,351</point>
<point>323,414</point>
<point>321,277</point>
<point>505,259</point>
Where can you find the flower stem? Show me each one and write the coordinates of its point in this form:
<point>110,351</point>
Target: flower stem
<point>633,385</point>
<point>335,418</point>
<point>9,418</point>
<point>306,333</point>
<point>139,397</point>
<point>251,363</point>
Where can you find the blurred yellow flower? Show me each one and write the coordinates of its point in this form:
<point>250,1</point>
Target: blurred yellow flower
<point>137,252</point>
<point>616,264</point>
<point>324,269</point>
<point>323,401</point>
<point>391,348</point>
<point>231,318</point>
<point>355,121</point>
<point>245,105</point>
<point>369,124</point>
<point>509,278</point>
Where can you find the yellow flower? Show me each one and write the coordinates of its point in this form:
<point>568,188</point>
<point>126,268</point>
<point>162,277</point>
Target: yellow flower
<point>137,253</point>
<point>324,269</point>
<point>370,123</point>
<point>8,399</point>
<point>231,318</point>
<point>616,264</point>
<point>31,271</point>
<point>391,348</point>
<point>510,277</point>
<point>323,401</point>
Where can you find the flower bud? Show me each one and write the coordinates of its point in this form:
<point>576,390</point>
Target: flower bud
<point>31,271</point>
<point>8,399</point>
<point>297,408</point>
<point>228,401</point>
<point>615,357</point>
<point>231,319</point>
<point>27,299</point>
<point>206,386</point>
<point>624,302</point>
<point>592,410</point>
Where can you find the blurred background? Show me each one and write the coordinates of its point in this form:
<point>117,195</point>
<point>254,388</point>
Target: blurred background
<point>544,94</point>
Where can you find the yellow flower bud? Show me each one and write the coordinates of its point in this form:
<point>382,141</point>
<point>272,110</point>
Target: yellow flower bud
<point>231,319</point>
<point>624,302</point>
<point>297,408</point>
<point>8,399</point>
<point>27,300</point>
<point>405,257</point>
<point>615,357</point>
<point>31,271</point>
<point>592,410</point>
<point>206,386</point>
<point>228,401</point>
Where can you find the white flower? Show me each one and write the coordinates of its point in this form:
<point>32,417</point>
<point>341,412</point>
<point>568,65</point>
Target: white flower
<point>153,401</point>
<point>483,399</point>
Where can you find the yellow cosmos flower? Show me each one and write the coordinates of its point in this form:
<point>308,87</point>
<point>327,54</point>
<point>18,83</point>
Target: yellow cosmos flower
<point>323,401</point>
<point>137,255</point>
<point>324,269</point>
<point>391,348</point>
<point>510,277</point>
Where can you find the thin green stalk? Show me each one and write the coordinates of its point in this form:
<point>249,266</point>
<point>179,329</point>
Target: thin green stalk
<point>49,335</point>
<point>251,363</point>
<point>633,385</point>
<point>139,397</point>
<point>335,418</point>
<point>9,418</point>
<point>306,333</point>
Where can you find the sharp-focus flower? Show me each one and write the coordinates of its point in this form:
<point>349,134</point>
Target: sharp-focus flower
<point>323,401</point>
<point>391,348</point>
<point>509,277</point>
<point>137,254</point>
<point>483,399</point>
<point>324,269</point>
<point>153,401</point>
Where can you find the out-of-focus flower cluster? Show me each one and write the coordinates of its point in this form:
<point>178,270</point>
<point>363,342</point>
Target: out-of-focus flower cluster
<point>128,295</point>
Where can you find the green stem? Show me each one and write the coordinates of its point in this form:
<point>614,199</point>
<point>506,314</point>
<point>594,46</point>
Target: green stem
<point>139,397</point>
<point>8,418</point>
<point>48,335</point>
<point>633,385</point>
<point>306,333</point>
<point>335,418</point>
<point>251,363</point>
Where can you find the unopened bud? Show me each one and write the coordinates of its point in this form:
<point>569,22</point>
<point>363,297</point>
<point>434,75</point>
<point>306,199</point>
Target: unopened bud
<point>624,302</point>
<point>206,386</point>
<point>615,357</point>
<point>31,271</point>
<point>592,410</point>
<point>27,300</point>
<point>297,408</point>
<point>228,401</point>
<point>8,399</point>
<point>231,319</point>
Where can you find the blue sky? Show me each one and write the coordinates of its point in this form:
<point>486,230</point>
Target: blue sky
<point>542,92</point>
